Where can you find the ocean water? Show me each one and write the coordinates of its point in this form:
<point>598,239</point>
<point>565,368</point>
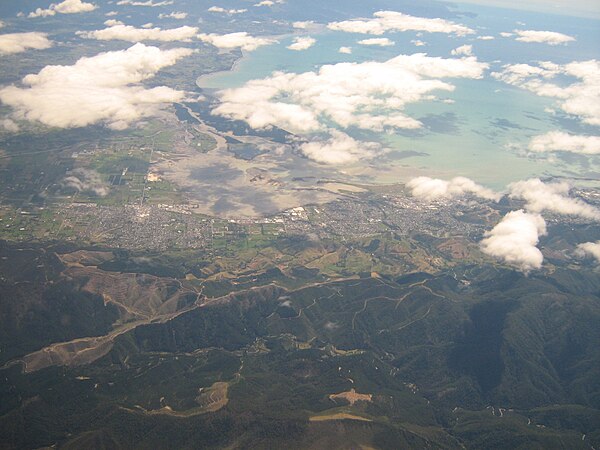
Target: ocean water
<point>484,133</point>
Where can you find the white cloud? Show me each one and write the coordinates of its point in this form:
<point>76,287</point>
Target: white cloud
<point>418,43</point>
<point>384,21</point>
<point>9,125</point>
<point>543,37</point>
<point>146,3</point>
<point>112,22</point>
<point>269,2</point>
<point>485,38</point>
<point>515,238</point>
<point>463,50</point>
<point>132,34</point>
<point>554,197</point>
<point>235,40</point>
<point>303,25</point>
<point>20,42</point>
<point>65,7</point>
<point>381,42</point>
<point>340,149</point>
<point>589,248</point>
<point>430,189</point>
<point>345,50</point>
<point>1,24</point>
<point>581,98</point>
<point>506,34</point>
<point>111,14</point>
<point>101,89</point>
<point>178,15</point>
<point>302,43</point>
<point>218,9</point>
<point>369,95</point>
<point>554,141</point>
<point>87,181</point>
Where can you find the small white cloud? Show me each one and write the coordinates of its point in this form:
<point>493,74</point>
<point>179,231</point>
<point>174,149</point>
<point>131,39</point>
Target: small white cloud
<point>430,189</point>
<point>178,15</point>
<point>131,34</point>
<point>235,40</point>
<point>485,38</point>
<point>463,50</point>
<point>302,43</point>
<point>218,9</point>
<point>86,181</point>
<point>515,238</point>
<point>9,125</point>
<point>384,21</point>
<point>105,88</point>
<point>146,3</point>
<point>418,43</point>
<point>589,249</point>
<point>269,2</point>
<point>381,42</point>
<point>543,37</point>
<point>345,50</point>
<point>303,25</point>
<point>505,34</point>
<point>20,42</point>
<point>65,7</point>
<point>340,149</point>
<point>540,196</point>
<point>112,22</point>
<point>111,14</point>
<point>554,141</point>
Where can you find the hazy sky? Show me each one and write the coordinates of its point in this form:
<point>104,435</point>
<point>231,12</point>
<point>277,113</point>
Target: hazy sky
<point>583,8</point>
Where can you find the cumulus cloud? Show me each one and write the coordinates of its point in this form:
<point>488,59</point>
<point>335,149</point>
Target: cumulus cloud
<point>580,98</point>
<point>589,249</point>
<point>146,3</point>
<point>463,50</point>
<point>381,42</point>
<point>86,181</point>
<point>112,22</point>
<point>515,238</point>
<point>340,149</point>
<point>434,189</point>
<point>554,197</point>
<point>486,38</point>
<point>554,141</point>
<point>302,43</point>
<point>9,125</point>
<point>543,37</point>
<point>178,15</point>
<point>20,42</point>
<point>235,40</point>
<point>268,2</point>
<point>129,33</point>
<point>303,25</point>
<point>345,50</point>
<point>66,7</point>
<point>384,21</point>
<point>101,89</point>
<point>369,95</point>
<point>218,9</point>
<point>418,43</point>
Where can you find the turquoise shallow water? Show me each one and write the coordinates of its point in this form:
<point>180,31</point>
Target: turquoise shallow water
<point>480,134</point>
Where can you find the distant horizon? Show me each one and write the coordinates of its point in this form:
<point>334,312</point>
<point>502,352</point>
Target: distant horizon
<point>575,8</point>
